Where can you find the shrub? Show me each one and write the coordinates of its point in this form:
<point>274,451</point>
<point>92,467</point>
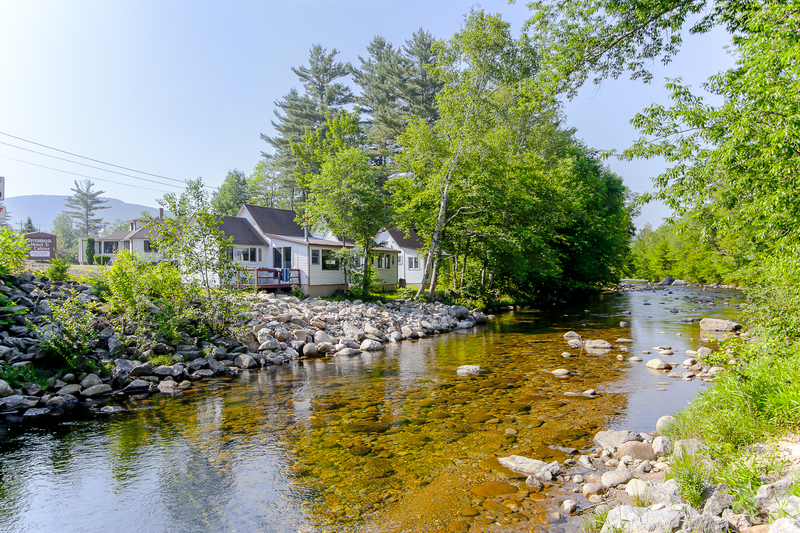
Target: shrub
<point>690,474</point>
<point>14,249</point>
<point>90,250</point>
<point>102,259</point>
<point>73,339</point>
<point>58,270</point>
<point>17,377</point>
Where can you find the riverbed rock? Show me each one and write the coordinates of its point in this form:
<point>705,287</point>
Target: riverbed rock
<point>637,488</point>
<point>571,335</point>
<point>493,489</point>
<point>168,387</point>
<point>719,324</point>
<point>611,440</point>
<point>217,367</point>
<point>662,446</point>
<point>521,464</point>
<point>348,352</point>
<point>560,372</point>
<point>90,381</point>
<point>145,369</point>
<point>369,345</point>
<point>168,371</point>
<point>664,422</point>
<point>598,344</point>
<point>95,391</point>
<point>785,525</point>
<point>612,478</point>
<point>459,311</point>
<point>469,370</point>
<point>136,386</point>
<point>575,343</point>
<point>637,450</point>
<point>592,489</point>
<point>5,389</point>
<point>657,364</point>
<point>245,361</point>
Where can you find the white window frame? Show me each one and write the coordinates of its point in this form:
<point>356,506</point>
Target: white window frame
<point>315,257</point>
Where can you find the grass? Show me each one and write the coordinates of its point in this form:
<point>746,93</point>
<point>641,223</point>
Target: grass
<point>750,403</point>
<point>593,522</point>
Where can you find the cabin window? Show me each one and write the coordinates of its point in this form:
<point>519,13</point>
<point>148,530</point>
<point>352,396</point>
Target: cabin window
<point>329,260</point>
<point>247,255</point>
<point>314,257</point>
<point>126,245</point>
<point>282,257</point>
<point>413,263</point>
<point>110,247</point>
<point>400,259</point>
<point>148,247</point>
<point>383,261</point>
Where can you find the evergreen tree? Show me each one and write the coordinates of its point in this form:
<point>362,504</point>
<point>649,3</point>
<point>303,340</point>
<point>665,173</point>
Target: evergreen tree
<point>382,78</point>
<point>82,207</point>
<point>296,112</point>
<point>233,192</point>
<point>29,226</point>
<point>423,84</point>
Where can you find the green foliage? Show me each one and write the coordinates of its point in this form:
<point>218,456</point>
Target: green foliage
<point>82,207</point>
<point>29,226</point>
<point>57,271</point>
<point>117,226</point>
<point>744,472</point>
<point>90,250</point>
<point>161,360</point>
<point>66,236</point>
<point>6,314</point>
<point>19,376</point>
<point>297,292</point>
<point>14,249</point>
<point>233,192</point>
<point>74,335</point>
<point>690,473</point>
<point>594,521</point>
<point>102,260</point>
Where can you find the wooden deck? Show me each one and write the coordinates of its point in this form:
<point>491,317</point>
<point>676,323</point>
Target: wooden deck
<point>269,278</point>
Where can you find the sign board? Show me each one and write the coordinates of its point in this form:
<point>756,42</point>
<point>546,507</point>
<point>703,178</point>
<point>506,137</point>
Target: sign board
<point>2,188</point>
<point>43,246</point>
<point>2,215</point>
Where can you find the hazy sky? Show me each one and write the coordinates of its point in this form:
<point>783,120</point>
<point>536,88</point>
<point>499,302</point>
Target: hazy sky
<point>184,89</point>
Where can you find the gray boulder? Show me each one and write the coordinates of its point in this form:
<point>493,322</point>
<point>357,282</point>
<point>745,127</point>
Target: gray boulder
<point>611,440</point>
<point>245,361</point>
<point>90,381</point>
<point>370,345</point>
<point>718,324</point>
<point>5,389</point>
<point>459,311</point>
<point>785,525</point>
<point>96,390</point>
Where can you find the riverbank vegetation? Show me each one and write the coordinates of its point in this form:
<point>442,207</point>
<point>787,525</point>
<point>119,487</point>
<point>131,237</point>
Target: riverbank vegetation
<point>731,184</point>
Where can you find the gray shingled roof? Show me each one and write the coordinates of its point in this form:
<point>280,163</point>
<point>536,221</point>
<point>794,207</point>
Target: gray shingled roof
<point>275,221</point>
<point>242,231</point>
<point>412,242</point>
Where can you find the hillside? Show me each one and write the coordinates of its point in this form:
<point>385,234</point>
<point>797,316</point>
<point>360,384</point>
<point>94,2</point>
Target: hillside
<point>43,208</point>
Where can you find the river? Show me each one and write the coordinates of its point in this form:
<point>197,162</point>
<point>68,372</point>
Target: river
<point>389,441</point>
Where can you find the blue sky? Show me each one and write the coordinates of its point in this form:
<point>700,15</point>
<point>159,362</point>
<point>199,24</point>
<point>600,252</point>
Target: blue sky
<point>184,89</point>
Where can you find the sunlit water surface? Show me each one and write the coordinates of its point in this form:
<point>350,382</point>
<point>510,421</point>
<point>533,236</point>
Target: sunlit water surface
<point>389,441</point>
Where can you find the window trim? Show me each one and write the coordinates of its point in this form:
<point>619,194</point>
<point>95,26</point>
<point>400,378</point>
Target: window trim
<point>316,257</point>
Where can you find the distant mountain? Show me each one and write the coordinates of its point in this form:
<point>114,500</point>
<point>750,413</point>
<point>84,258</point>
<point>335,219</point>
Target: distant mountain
<point>43,208</point>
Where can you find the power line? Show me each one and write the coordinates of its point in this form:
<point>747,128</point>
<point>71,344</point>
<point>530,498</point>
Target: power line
<point>84,175</point>
<point>90,166</point>
<point>89,158</point>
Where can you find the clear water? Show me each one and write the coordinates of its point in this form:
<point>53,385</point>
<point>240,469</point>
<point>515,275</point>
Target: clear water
<point>388,441</point>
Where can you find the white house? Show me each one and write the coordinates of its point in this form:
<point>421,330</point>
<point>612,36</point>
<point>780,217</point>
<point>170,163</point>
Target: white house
<point>410,265</point>
<point>135,239</point>
<point>309,259</point>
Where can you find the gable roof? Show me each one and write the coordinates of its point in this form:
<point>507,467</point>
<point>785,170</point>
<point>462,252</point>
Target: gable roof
<point>275,221</point>
<point>242,231</point>
<point>412,242</point>
<point>125,235</point>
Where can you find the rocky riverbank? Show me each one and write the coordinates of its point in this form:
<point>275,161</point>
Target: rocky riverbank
<point>622,485</point>
<point>281,329</point>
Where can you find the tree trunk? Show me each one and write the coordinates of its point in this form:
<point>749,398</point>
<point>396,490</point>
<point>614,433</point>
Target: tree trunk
<point>440,220</point>
<point>434,277</point>
<point>365,281</point>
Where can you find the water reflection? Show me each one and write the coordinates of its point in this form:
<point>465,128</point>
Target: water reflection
<point>380,442</point>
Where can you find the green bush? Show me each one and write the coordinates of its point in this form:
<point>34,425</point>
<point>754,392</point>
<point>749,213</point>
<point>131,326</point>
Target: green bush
<point>90,250</point>
<point>690,474</point>
<point>17,377</point>
<point>73,340</point>
<point>102,259</point>
<point>58,270</point>
<point>14,249</point>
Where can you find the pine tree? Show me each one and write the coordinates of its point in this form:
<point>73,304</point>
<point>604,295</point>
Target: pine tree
<point>423,84</point>
<point>296,112</point>
<point>29,226</point>
<point>82,206</point>
<point>383,81</point>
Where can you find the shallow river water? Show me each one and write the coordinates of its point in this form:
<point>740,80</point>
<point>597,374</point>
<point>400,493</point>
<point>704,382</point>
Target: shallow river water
<point>384,442</point>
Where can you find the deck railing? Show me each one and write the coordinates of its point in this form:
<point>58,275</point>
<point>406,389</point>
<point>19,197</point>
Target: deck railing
<point>270,277</point>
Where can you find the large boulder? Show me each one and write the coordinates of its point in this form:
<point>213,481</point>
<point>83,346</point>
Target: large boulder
<point>90,381</point>
<point>598,344</point>
<point>370,345</point>
<point>245,361</point>
<point>657,364</point>
<point>5,389</point>
<point>96,391</point>
<point>611,440</point>
<point>637,450</point>
<point>667,281</point>
<point>612,478</point>
<point>521,464</point>
<point>718,324</point>
<point>459,311</point>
